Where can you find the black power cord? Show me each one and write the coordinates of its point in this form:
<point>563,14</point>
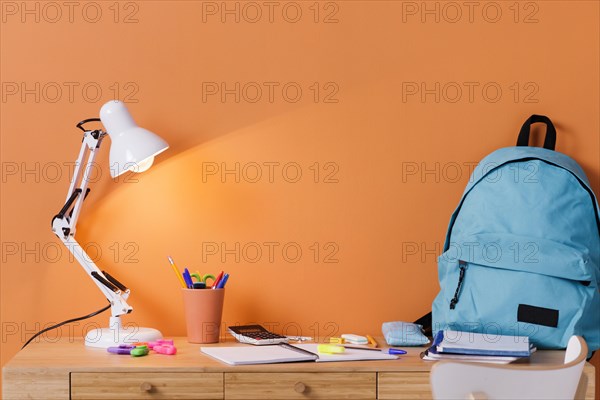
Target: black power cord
<point>65,322</point>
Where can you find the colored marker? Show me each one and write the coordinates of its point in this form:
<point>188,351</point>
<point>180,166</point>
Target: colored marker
<point>140,351</point>
<point>221,284</point>
<point>165,349</point>
<point>188,279</point>
<point>216,282</point>
<point>121,349</point>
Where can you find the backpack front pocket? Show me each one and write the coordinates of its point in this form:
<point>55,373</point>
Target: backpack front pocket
<point>540,297</point>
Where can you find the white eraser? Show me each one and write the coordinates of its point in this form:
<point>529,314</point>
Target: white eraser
<point>355,339</point>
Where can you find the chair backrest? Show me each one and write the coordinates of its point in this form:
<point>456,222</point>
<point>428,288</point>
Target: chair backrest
<point>461,380</point>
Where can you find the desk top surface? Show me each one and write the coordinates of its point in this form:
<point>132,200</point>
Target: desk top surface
<point>72,355</point>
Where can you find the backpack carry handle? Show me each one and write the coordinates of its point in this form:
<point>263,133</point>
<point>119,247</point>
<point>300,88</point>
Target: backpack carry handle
<point>549,141</point>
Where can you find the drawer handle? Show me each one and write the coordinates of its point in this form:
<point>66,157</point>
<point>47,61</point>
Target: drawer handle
<point>146,387</point>
<point>300,387</point>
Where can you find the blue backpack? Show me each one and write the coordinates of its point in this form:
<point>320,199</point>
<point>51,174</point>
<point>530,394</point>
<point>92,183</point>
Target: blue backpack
<point>522,252</point>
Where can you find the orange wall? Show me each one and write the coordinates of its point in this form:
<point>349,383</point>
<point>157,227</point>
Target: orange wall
<point>382,107</point>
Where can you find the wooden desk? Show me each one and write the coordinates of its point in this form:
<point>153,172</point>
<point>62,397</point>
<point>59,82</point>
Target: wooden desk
<point>65,370</point>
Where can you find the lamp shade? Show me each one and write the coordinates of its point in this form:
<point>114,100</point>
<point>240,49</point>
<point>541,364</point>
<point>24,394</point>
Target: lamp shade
<point>133,148</point>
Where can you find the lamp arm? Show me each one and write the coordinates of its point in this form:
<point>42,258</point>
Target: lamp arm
<point>116,297</point>
<point>90,144</point>
<point>63,225</point>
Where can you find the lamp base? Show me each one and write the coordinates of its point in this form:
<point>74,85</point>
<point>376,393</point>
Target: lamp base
<point>107,337</point>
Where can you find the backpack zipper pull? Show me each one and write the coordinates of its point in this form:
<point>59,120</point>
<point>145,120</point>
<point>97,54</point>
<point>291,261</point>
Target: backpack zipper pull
<point>463,267</point>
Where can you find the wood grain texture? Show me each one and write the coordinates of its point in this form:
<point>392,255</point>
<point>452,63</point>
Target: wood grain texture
<point>403,385</point>
<point>35,383</point>
<point>75,357</point>
<point>43,371</point>
<point>305,385</point>
<point>146,385</point>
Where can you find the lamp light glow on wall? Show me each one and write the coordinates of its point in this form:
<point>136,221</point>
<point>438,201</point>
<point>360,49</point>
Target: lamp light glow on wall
<point>133,149</point>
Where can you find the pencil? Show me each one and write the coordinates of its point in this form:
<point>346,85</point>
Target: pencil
<point>372,342</point>
<point>177,272</point>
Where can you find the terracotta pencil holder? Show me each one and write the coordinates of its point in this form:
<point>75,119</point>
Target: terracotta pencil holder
<point>203,310</point>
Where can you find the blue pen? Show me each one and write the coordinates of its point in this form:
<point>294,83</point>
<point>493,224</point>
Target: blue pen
<point>188,279</point>
<point>221,284</point>
<point>386,351</point>
<point>394,351</point>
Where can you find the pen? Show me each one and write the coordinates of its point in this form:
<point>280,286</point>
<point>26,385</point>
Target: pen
<point>299,338</point>
<point>176,272</point>
<point>223,281</point>
<point>387,351</point>
<point>188,279</point>
<point>393,351</point>
<point>216,282</point>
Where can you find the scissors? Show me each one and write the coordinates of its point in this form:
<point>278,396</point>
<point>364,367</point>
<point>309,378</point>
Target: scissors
<point>203,278</point>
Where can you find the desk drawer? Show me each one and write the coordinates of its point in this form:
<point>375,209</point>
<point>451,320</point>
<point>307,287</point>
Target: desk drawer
<point>302,385</point>
<point>146,385</point>
<point>404,385</point>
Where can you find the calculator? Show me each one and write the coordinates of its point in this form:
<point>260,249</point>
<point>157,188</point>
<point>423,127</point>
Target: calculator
<point>255,334</point>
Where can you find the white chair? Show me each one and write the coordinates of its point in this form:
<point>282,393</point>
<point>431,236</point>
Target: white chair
<point>461,380</point>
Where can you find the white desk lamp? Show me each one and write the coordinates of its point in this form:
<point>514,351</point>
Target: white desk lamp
<point>133,149</point>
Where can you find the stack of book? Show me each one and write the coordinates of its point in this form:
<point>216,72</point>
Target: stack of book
<point>480,347</point>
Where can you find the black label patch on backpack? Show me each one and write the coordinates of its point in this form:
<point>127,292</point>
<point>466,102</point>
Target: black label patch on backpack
<point>537,315</point>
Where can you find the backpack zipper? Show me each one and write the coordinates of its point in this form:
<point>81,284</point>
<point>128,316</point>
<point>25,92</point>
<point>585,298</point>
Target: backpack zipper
<point>461,276</point>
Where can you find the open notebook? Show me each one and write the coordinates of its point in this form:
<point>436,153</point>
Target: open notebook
<point>282,353</point>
